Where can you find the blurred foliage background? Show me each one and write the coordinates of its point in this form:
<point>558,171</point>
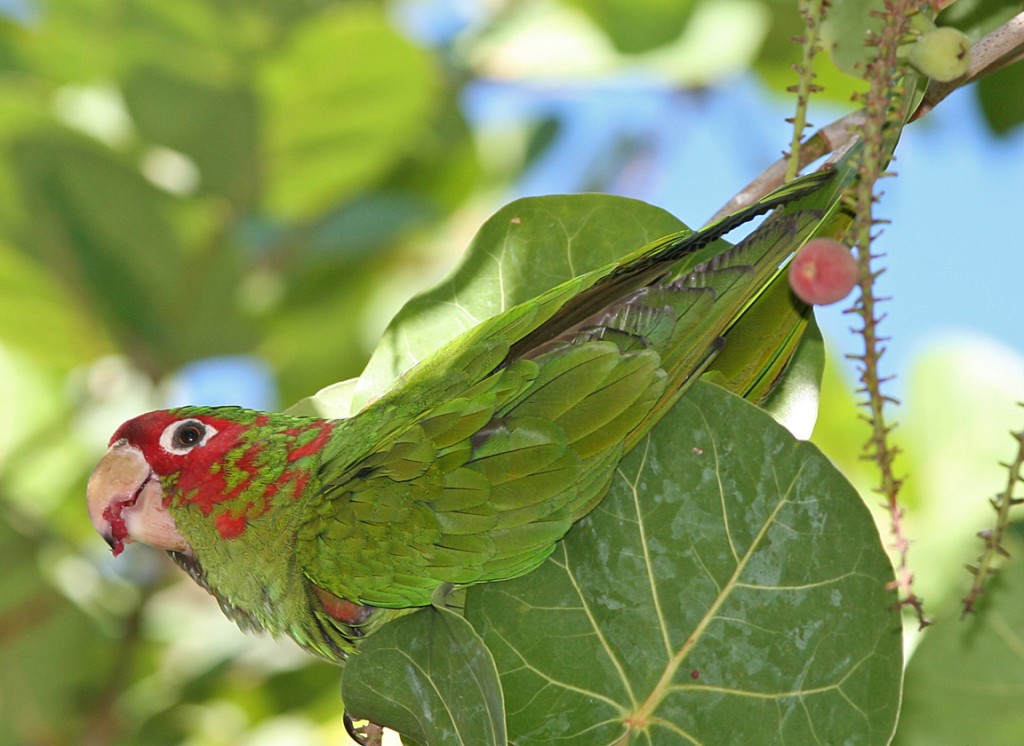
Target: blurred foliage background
<point>225,201</point>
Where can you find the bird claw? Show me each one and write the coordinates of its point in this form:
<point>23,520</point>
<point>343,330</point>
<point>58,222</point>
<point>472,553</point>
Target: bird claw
<point>356,734</point>
<point>369,734</point>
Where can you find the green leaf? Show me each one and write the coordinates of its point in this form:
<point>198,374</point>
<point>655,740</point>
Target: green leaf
<point>125,267</point>
<point>93,40</point>
<point>778,54</point>
<point>847,26</point>
<point>525,248</point>
<point>213,125</point>
<point>730,587</point>
<point>639,25</point>
<point>535,243</point>
<point>794,401</point>
<point>331,401</point>
<point>978,17</point>
<point>429,676</point>
<point>965,681</point>
<point>1000,101</point>
<point>37,318</point>
<point>346,97</point>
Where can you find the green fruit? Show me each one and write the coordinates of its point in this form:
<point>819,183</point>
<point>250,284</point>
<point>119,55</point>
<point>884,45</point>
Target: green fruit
<point>943,54</point>
<point>921,23</point>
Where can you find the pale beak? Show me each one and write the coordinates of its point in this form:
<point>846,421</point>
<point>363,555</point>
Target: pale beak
<point>126,502</point>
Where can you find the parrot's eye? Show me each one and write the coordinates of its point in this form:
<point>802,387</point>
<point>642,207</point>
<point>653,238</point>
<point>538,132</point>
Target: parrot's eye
<point>181,437</point>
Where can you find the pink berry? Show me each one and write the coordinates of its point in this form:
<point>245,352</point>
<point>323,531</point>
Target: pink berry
<point>822,272</point>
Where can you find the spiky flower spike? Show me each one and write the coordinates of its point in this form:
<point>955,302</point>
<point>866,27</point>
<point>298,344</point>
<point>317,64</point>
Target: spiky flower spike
<point>468,470</point>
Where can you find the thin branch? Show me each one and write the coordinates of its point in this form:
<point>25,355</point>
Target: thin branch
<point>993,537</point>
<point>813,12</point>
<point>884,103</point>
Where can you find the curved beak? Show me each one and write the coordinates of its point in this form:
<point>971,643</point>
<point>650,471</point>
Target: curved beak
<point>126,502</point>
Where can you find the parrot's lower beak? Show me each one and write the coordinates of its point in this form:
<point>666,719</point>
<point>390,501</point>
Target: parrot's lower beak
<point>126,502</point>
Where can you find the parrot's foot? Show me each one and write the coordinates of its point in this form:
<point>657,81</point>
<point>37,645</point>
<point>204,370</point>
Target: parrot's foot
<point>369,734</point>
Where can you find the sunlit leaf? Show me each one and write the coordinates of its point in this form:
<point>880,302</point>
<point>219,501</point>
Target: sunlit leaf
<point>731,586</point>
<point>331,401</point>
<point>533,244</point>
<point>346,97</point>
<point>36,317</point>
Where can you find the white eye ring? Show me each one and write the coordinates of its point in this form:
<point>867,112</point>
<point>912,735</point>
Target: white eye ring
<point>182,436</point>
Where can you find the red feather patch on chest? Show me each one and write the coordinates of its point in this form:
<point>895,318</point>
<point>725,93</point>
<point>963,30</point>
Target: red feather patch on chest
<point>242,483</point>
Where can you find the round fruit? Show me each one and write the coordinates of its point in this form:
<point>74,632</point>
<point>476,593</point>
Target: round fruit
<point>822,272</point>
<point>943,54</point>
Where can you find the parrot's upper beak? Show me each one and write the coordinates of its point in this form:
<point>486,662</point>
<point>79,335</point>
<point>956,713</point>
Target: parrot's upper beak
<point>126,502</point>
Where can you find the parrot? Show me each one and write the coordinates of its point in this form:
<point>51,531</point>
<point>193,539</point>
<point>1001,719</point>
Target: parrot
<point>470,467</point>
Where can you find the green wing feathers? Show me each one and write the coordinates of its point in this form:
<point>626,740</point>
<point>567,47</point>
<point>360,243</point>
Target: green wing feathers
<point>537,407</point>
<point>482,487</point>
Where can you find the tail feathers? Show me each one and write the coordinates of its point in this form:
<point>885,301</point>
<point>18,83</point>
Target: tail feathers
<point>688,245</point>
<point>671,316</point>
<point>652,264</point>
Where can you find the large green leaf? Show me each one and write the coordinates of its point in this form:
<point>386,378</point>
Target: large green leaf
<point>525,248</point>
<point>730,588</point>
<point>346,97</point>
<point>430,677</point>
<point>535,243</point>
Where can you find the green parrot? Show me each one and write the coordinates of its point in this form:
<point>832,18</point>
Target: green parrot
<point>472,465</point>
